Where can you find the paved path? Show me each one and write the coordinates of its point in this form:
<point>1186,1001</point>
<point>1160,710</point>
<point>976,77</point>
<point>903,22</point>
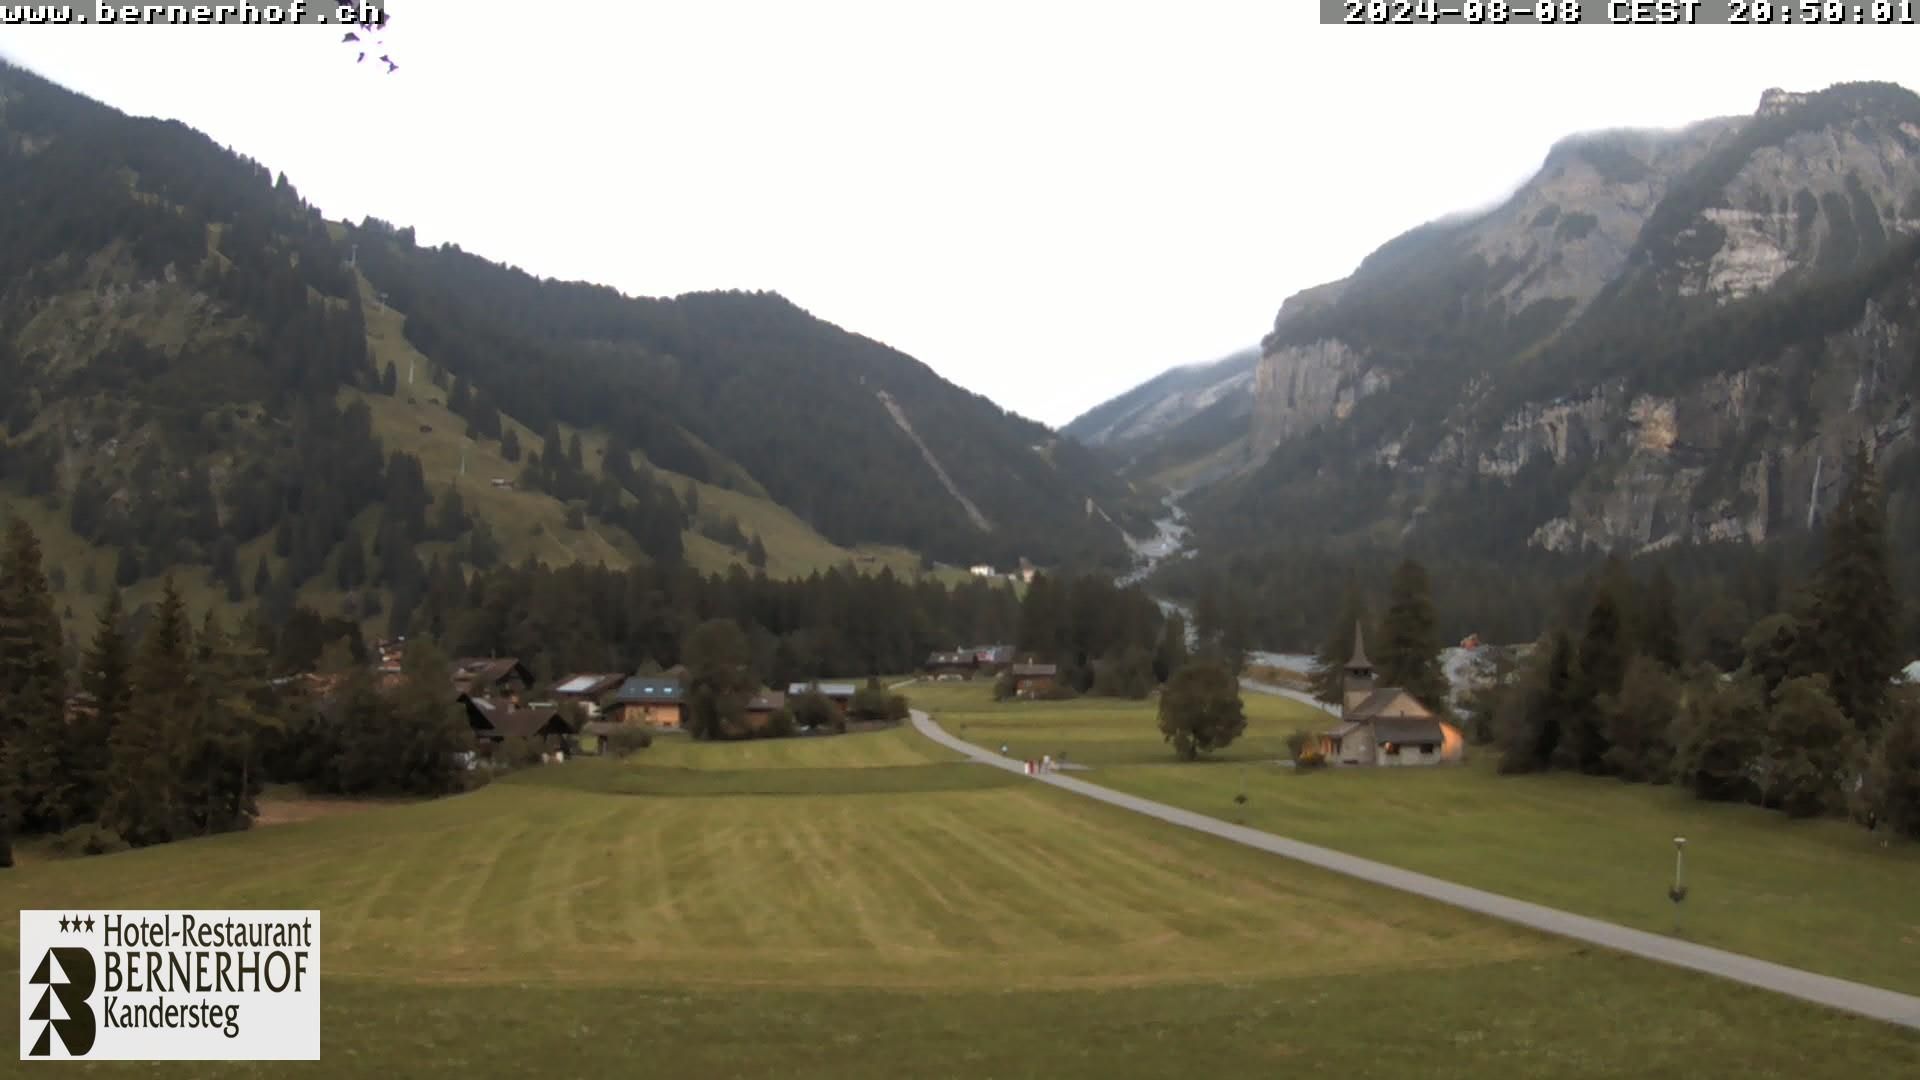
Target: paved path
<point>1853,997</point>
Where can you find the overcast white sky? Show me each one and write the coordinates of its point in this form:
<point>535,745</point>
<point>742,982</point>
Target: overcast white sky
<point>1047,200</point>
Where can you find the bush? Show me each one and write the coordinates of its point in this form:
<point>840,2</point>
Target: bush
<point>89,840</point>
<point>626,741</point>
<point>1303,749</point>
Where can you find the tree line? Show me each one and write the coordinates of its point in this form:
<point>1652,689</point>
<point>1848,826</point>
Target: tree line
<point>171,732</point>
<point>1811,721</point>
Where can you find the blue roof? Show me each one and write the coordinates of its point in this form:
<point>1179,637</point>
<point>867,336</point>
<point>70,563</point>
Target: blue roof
<point>644,689</point>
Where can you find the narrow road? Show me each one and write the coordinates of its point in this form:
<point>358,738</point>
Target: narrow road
<point>1888,1005</point>
<point>1289,693</point>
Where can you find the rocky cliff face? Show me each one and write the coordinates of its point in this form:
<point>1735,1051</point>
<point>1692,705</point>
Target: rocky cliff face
<point>1661,338</point>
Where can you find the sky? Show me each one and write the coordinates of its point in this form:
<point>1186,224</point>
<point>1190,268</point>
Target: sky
<point>1047,201</point>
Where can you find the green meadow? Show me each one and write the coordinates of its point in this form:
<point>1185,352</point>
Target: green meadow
<point>1821,895</point>
<point>869,906</point>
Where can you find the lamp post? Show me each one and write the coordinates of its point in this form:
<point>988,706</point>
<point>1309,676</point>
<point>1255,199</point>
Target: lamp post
<point>1678,894</point>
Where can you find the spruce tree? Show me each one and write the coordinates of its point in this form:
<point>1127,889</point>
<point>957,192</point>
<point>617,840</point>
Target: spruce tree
<point>1532,717</point>
<point>1855,610</point>
<point>1602,666</point>
<point>41,785</point>
<point>220,776</point>
<point>143,772</point>
<point>1657,632</point>
<point>1336,648</point>
<point>105,676</point>
<point>1170,655</point>
<point>1408,651</point>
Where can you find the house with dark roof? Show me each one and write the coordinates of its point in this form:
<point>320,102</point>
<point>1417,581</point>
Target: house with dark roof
<point>950,665</point>
<point>1031,679</point>
<point>760,711</point>
<point>491,676</point>
<point>658,701</point>
<point>494,721</point>
<point>1384,725</point>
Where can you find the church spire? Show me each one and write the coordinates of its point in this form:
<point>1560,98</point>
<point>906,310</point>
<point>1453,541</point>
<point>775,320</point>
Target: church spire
<point>1359,662</point>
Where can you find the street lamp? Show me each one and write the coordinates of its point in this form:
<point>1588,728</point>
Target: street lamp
<point>1678,893</point>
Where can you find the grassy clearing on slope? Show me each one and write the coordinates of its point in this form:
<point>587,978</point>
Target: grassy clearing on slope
<point>1820,895</point>
<point>528,928</point>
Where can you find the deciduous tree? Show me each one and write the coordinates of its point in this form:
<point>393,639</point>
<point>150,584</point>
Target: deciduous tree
<point>1200,709</point>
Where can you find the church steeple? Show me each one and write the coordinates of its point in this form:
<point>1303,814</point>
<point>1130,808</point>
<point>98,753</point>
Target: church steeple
<point>1359,674</point>
<point>1359,664</point>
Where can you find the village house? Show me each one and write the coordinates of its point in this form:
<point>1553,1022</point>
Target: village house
<point>588,691</point>
<point>489,676</point>
<point>760,711</point>
<point>1032,680</point>
<point>992,659</point>
<point>840,693</point>
<point>1384,725</point>
<point>950,665</point>
<point>655,700</point>
<point>495,722</point>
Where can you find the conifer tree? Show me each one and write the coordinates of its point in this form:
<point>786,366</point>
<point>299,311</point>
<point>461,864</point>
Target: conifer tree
<point>1532,719</point>
<point>1170,655</point>
<point>1602,666</point>
<point>1658,630</point>
<point>220,778</point>
<point>1408,652</point>
<point>105,676</point>
<point>1855,610</point>
<point>143,773</point>
<point>40,783</point>
<point>1336,649</point>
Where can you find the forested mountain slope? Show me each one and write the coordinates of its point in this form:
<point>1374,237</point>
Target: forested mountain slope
<point>1663,340</point>
<point>206,377</point>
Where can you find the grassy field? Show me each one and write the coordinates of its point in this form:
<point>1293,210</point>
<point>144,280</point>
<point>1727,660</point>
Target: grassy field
<point>1820,895</point>
<point>842,907</point>
<point>1097,731</point>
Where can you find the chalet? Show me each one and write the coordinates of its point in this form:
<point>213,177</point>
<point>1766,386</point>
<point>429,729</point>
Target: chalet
<point>992,659</point>
<point>490,676</point>
<point>951,665</point>
<point>655,700</point>
<point>1384,725</point>
<point>761,708</point>
<point>981,570</point>
<point>545,723</point>
<point>590,692</point>
<point>1032,680</point>
<point>840,693</point>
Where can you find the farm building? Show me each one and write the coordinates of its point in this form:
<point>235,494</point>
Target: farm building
<point>1385,725</point>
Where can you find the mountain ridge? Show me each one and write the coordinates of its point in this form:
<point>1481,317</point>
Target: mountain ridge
<point>215,381</point>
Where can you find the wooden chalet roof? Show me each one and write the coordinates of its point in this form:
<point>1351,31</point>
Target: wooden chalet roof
<point>522,723</point>
<point>1035,670</point>
<point>487,671</point>
<point>767,701</point>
